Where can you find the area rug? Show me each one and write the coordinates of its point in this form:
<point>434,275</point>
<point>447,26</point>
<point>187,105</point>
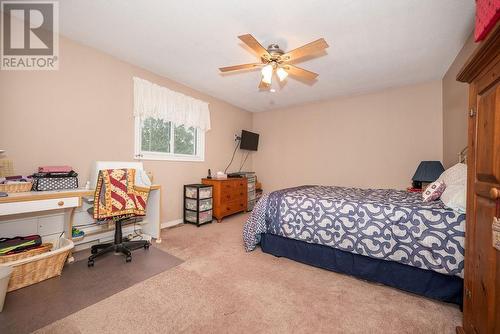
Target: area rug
<point>38,305</point>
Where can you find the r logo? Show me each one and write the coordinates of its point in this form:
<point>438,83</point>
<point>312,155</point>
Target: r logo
<point>29,29</point>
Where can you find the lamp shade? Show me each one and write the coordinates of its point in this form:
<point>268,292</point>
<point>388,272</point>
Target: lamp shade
<point>428,171</point>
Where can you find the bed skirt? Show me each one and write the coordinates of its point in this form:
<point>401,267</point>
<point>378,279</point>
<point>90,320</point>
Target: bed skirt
<point>411,279</point>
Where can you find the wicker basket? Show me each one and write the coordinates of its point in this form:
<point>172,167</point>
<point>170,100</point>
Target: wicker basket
<point>44,248</point>
<point>6,167</point>
<point>34,269</point>
<point>18,187</point>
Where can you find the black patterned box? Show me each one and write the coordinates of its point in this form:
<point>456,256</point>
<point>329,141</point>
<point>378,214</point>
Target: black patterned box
<point>55,183</point>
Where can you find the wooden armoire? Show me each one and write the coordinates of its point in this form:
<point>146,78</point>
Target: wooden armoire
<point>482,259</point>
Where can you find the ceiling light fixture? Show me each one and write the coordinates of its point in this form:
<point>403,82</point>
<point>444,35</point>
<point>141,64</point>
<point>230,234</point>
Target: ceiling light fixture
<point>267,73</point>
<point>279,60</point>
<point>272,90</point>
<point>282,74</point>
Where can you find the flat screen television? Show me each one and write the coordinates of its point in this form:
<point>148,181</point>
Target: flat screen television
<point>249,140</point>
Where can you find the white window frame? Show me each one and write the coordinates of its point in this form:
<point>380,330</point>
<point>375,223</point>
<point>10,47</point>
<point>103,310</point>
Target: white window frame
<point>139,154</point>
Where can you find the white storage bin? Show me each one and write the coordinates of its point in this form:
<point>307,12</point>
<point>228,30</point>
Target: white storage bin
<point>191,216</point>
<point>205,216</point>
<point>205,204</point>
<point>205,192</point>
<point>251,195</point>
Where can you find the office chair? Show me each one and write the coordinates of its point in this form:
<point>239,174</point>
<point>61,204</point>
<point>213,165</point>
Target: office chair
<point>118,198</point>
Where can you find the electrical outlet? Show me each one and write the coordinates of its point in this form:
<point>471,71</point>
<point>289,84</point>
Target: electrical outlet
<point>236,137</point>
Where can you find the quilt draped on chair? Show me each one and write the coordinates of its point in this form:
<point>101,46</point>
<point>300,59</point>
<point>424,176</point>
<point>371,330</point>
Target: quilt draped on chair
<point>117,195</point>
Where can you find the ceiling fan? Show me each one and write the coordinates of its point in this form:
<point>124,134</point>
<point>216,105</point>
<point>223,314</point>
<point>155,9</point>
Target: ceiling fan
<point>273,59</point>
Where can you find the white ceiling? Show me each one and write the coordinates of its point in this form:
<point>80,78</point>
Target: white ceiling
<point>373,44</point>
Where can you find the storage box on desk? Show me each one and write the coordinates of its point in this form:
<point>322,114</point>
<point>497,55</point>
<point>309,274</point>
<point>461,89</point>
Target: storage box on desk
<point>42,265</point>
<point>44,183</point>
<point>197,204</point>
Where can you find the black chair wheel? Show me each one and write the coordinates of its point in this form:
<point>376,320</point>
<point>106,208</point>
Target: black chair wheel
<point>90,263</point>
<point>128,259</point>
<point>146,246</point>
<point>93,251</point>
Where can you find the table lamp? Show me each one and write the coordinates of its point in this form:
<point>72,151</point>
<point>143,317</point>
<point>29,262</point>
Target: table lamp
<point>427,172</point>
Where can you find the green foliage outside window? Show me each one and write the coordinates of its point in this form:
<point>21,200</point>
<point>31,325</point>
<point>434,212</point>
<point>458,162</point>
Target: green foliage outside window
<point>184,140</point>
<point>157,134</point>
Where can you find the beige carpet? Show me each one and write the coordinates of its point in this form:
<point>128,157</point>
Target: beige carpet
<point>222,289</point>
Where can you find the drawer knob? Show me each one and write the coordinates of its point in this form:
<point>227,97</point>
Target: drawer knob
<point>494,193</point>
<point>60,203</point>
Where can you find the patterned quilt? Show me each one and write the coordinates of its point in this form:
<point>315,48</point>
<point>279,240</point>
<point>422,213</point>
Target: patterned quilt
<point>118,196</point>
<point>384,224</point>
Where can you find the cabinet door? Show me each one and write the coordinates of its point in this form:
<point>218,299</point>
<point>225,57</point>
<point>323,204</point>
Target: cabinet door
<point>482,286</point>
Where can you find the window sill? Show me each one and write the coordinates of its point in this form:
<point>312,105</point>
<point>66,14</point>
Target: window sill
<point>166,157</point>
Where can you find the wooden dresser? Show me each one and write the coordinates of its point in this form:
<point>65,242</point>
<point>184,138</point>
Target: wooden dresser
<point>482,235</point>
<point>229,196</point>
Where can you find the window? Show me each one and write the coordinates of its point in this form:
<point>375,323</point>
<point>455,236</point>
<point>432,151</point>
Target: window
<point>157,139</point>
<point>168,125</point>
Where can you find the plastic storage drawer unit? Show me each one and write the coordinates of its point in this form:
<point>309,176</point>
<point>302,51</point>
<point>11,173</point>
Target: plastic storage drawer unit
<point>197,204</point>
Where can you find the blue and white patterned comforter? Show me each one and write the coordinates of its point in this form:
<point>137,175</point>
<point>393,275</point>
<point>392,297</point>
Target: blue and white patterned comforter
<point>380,223</point>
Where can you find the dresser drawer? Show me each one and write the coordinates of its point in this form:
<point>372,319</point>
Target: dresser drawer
<point>241,184</point>
<point>39,205</point>
<point>229,208</point>
<point>232,194</point>
<point>234,183</point>
<point>226,187</point>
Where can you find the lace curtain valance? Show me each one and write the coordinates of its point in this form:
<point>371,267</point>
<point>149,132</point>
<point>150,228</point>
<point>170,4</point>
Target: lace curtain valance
<point>152,100</point>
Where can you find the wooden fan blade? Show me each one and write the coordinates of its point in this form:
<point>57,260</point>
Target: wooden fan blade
<point>299,72</point>
<point>253,44</point>
<point>305,50</point>
<point>239,67</point>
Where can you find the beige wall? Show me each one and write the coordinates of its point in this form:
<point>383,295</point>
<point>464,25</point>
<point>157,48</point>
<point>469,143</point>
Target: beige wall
<point>374,140</point>
<point>455,106</point>
<point>83,112</point>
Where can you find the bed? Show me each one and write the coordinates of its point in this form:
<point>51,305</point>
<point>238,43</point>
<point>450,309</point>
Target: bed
<point>381,235</point>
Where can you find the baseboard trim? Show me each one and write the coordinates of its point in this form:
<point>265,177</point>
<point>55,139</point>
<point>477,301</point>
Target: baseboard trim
<point>171,223</point>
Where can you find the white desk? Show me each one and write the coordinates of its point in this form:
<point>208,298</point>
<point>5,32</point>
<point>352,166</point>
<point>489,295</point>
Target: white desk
<point>69,200</point>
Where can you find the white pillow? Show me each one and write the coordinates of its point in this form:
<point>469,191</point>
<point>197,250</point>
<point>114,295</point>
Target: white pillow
<point>456,174</point>
<point>454,197</point>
